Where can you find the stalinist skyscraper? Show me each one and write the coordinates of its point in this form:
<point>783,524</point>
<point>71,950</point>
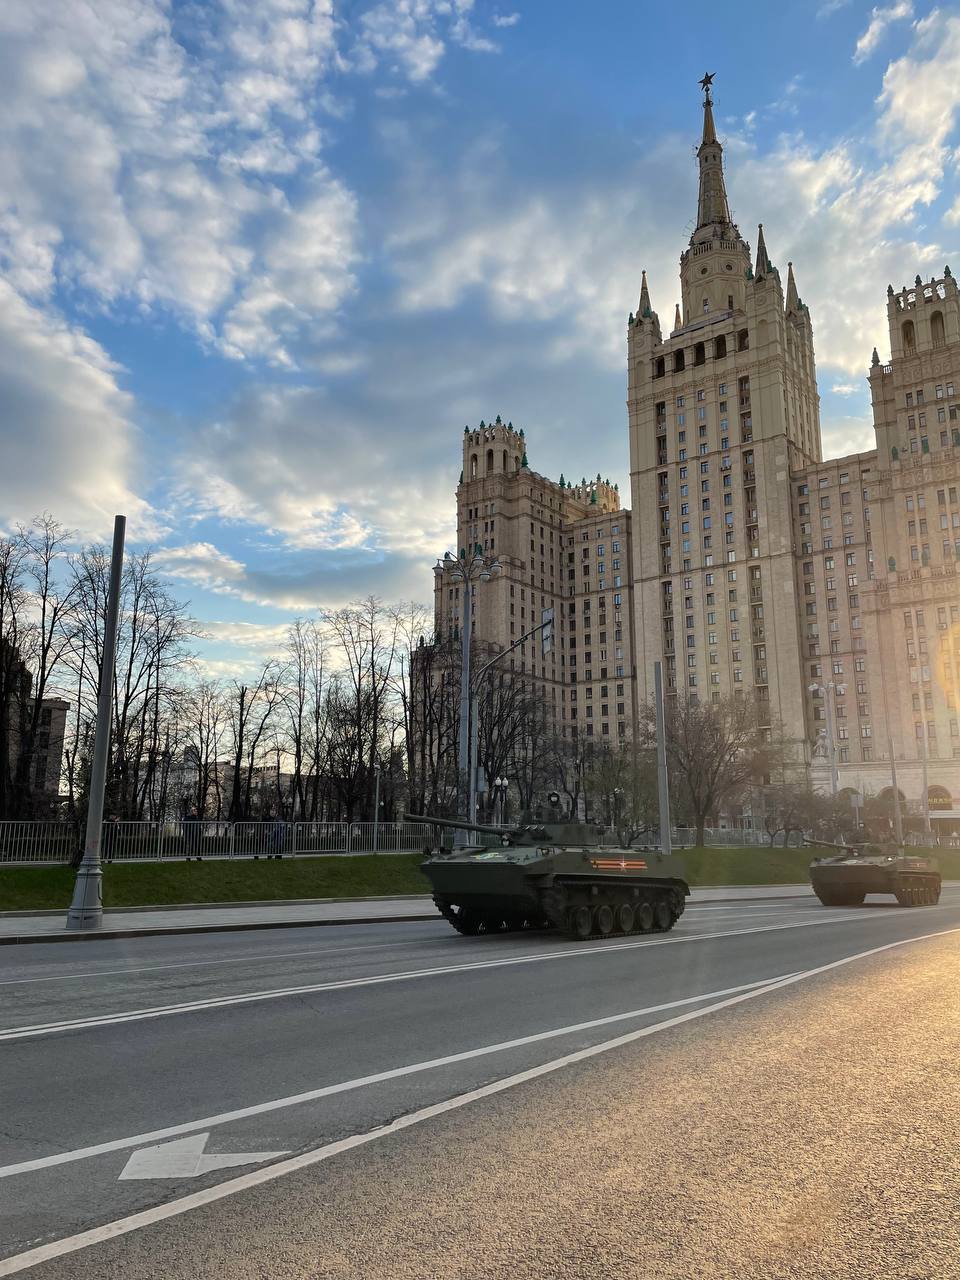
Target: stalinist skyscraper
<point>721,409</point>
<point>826,592</point>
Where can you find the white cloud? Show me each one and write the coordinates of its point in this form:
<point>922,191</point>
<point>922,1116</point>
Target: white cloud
<point>67,441</point>
<point>303,273</point>
<point>260,637</point>
<point>505,19</point>
<point>880,20</point>
<point>410,36</point>
<point>845,389</point>
<point>846,434</point>
<point>288,461</point>
<point>919,100</point>
<point>203,564</point>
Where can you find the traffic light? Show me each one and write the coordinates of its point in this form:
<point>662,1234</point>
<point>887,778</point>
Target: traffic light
<point>546,632</point>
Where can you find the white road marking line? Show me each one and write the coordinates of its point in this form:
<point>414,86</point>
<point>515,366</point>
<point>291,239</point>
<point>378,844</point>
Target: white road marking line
<point>319,953</point>
<point>346,1086</point>
<point>259,1177</point>
<point>251,958</point>
<point>312,953</point>
<point>254,997</point>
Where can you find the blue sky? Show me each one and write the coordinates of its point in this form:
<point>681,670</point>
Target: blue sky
<point>261,261</point>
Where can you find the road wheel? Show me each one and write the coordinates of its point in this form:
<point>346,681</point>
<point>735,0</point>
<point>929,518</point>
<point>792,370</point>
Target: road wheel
<point>626,917</point>
<point>581,922</point>
<point>645,917</point>
<point>662,915</point>
<point>605,920</point>
<point>466,922</point>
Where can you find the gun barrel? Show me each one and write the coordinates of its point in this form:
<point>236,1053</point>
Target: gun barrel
<point>455,824</point>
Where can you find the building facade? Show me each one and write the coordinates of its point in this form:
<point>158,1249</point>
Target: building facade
<point>560,546</point>
<point>826,591</point>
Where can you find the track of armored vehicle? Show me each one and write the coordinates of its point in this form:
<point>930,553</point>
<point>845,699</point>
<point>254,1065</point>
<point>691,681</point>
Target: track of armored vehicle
<point>844,878</point>
<point>554,876</point>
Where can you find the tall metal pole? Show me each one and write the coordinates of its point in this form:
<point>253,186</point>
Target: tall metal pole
<point>376,805</point>
<point>474,753</point>
<point>897,820</point>
<point>663,782</point>
<point>926,797</point>
<point>86,909</point>
<point>460,837</point>
<point>829,693</point>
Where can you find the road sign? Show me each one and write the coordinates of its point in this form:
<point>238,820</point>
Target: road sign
<point>546,634</point>
<point>185,1158</point>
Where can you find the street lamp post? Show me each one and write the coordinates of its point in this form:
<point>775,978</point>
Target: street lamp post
<point>499,799</point>
<point>376,804</point>
<point>925,781</point>
<point>466,570</point>
<point>86,909</point>
<point>829,690</point>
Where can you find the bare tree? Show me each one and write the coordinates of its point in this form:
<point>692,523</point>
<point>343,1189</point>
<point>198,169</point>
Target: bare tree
<point>302,737</point>
<point>204,734</point>
<point>367,639</point>
<point>153,655</point>
<point>249,711</point>
<point>714,750</point>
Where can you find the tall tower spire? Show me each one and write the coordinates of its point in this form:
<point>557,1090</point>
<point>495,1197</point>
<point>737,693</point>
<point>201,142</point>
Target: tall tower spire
<point>643,307</point>
<point>763,261</point>
<point>712,208</point>
<point>792,296</point>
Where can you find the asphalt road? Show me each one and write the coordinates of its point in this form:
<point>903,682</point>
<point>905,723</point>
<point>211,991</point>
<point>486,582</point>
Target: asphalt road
<point>731,1098</point>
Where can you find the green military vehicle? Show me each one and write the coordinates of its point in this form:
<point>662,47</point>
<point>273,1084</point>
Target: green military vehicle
<point>843,879</point>
<point>558,875</point>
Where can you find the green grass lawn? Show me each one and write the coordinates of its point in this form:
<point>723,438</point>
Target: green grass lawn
<point>360,876</point>
<point>144,884</point>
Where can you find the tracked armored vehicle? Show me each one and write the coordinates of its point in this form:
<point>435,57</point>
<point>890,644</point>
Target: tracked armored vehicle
<point>557,875</point>
<point>844,878</point>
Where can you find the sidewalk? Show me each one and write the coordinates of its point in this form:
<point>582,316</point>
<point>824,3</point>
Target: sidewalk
<point>135,922</point>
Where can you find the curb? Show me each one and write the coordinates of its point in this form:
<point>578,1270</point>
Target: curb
<point>24,939</point>
<point>225,906</point>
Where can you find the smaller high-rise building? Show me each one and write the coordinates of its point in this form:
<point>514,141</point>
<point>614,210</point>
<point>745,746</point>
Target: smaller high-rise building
<point>561,546</point>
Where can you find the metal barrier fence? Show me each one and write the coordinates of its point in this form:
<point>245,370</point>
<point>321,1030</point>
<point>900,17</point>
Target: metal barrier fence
<point>55,842</point>
<point>24,842</point>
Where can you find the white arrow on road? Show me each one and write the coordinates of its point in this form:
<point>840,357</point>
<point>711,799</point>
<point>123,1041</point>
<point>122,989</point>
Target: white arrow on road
<point>185,1158</point>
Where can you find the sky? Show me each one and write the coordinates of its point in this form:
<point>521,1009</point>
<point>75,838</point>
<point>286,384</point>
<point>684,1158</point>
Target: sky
<point>261,261</point>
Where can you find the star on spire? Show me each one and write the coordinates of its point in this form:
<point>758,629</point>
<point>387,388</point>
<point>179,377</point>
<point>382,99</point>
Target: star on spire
<point>707,82</point>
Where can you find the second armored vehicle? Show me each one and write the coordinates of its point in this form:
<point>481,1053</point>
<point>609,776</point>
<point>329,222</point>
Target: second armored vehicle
<point>844,878</point>
<point>553,874</point>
